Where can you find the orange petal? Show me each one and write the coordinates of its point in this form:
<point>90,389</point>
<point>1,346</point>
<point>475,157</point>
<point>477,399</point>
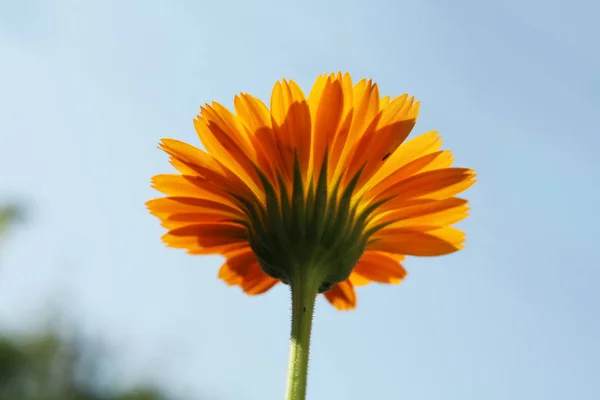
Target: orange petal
<point>379,267</point>
<point>301,126</point>
<point>206,236</point>
<point>425,143</point>
<point>191,186</point>
<point>242,269</point>
<point>179,220</point>
<point>196,249</point>
<point>236,266</point>
<point>223,140</point>
<point>314,97</point>
<point>191,156</point>
<point>342,296</point>
<point>292,127</point>
<point>327,120</point>
<point>182,166</point>
<point>340,140</point>
<point>256,118</point>
<point>384,102</point>
<point>377,145</point>
<point>358,280</point>
<point>428,183</point>
<point>401,108</point>
<point>178,204</point>
<point>204,165</point>
<point>253,113</point>
<point>394,124</point>
<point>418,241</point>
<point>366,109</point>
<point>428,162</point>
<point>430,212</point>
<point>257,282</point>
<point>451,190</point>
<point>232,124</point>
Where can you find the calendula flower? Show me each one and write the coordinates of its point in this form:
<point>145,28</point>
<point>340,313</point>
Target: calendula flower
<point>327,179</point>
<point>322,193</point>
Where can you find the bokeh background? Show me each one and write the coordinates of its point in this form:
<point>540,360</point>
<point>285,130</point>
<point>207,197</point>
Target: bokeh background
<point>87,88</point>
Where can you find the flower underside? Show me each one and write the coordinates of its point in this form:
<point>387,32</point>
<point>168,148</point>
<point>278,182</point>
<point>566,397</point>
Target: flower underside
<point>302,228</point>
<point>325,182</point>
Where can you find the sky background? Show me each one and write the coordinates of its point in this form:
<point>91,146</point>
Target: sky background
<point>87,89</point>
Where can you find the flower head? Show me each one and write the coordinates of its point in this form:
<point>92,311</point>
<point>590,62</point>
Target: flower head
<point>325,182</point>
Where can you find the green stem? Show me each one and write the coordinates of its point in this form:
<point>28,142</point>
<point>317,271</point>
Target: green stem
<point>304,294</point>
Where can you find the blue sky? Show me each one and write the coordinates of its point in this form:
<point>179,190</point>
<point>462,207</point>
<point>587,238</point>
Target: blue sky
<point>87,88</point>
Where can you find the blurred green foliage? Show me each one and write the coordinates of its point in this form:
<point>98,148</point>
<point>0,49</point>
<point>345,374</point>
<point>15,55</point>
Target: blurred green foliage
<point>8,214</point>
<point>49,366</point>
<point>52,368</point>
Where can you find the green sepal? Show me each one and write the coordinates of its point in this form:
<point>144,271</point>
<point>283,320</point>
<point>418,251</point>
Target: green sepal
<point>318,227</point>
<point>320,204</point>
<point>298,202</point>
<point>285,203</point>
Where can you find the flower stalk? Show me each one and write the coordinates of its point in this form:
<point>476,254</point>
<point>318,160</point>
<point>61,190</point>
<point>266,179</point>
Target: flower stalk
<point>304,293</point>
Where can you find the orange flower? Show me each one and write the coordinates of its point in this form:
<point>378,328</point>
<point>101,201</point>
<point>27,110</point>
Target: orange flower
<point>326,180</point>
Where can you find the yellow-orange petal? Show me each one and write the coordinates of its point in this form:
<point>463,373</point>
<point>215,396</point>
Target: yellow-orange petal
<point>314,97</point>
<point>379,267</point>
<point>182,166</point>
<point>252,112</point>
<point>358,280</point>
<point>384,102</point>
<point>232,124</point>
<point>399,109</point>
<point>342,296</point>
<point>418,241</point>
<point>191,156</point>
<point>410,150</point>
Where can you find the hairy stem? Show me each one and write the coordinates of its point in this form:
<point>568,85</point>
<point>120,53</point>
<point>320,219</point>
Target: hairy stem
<point>304,293</point>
